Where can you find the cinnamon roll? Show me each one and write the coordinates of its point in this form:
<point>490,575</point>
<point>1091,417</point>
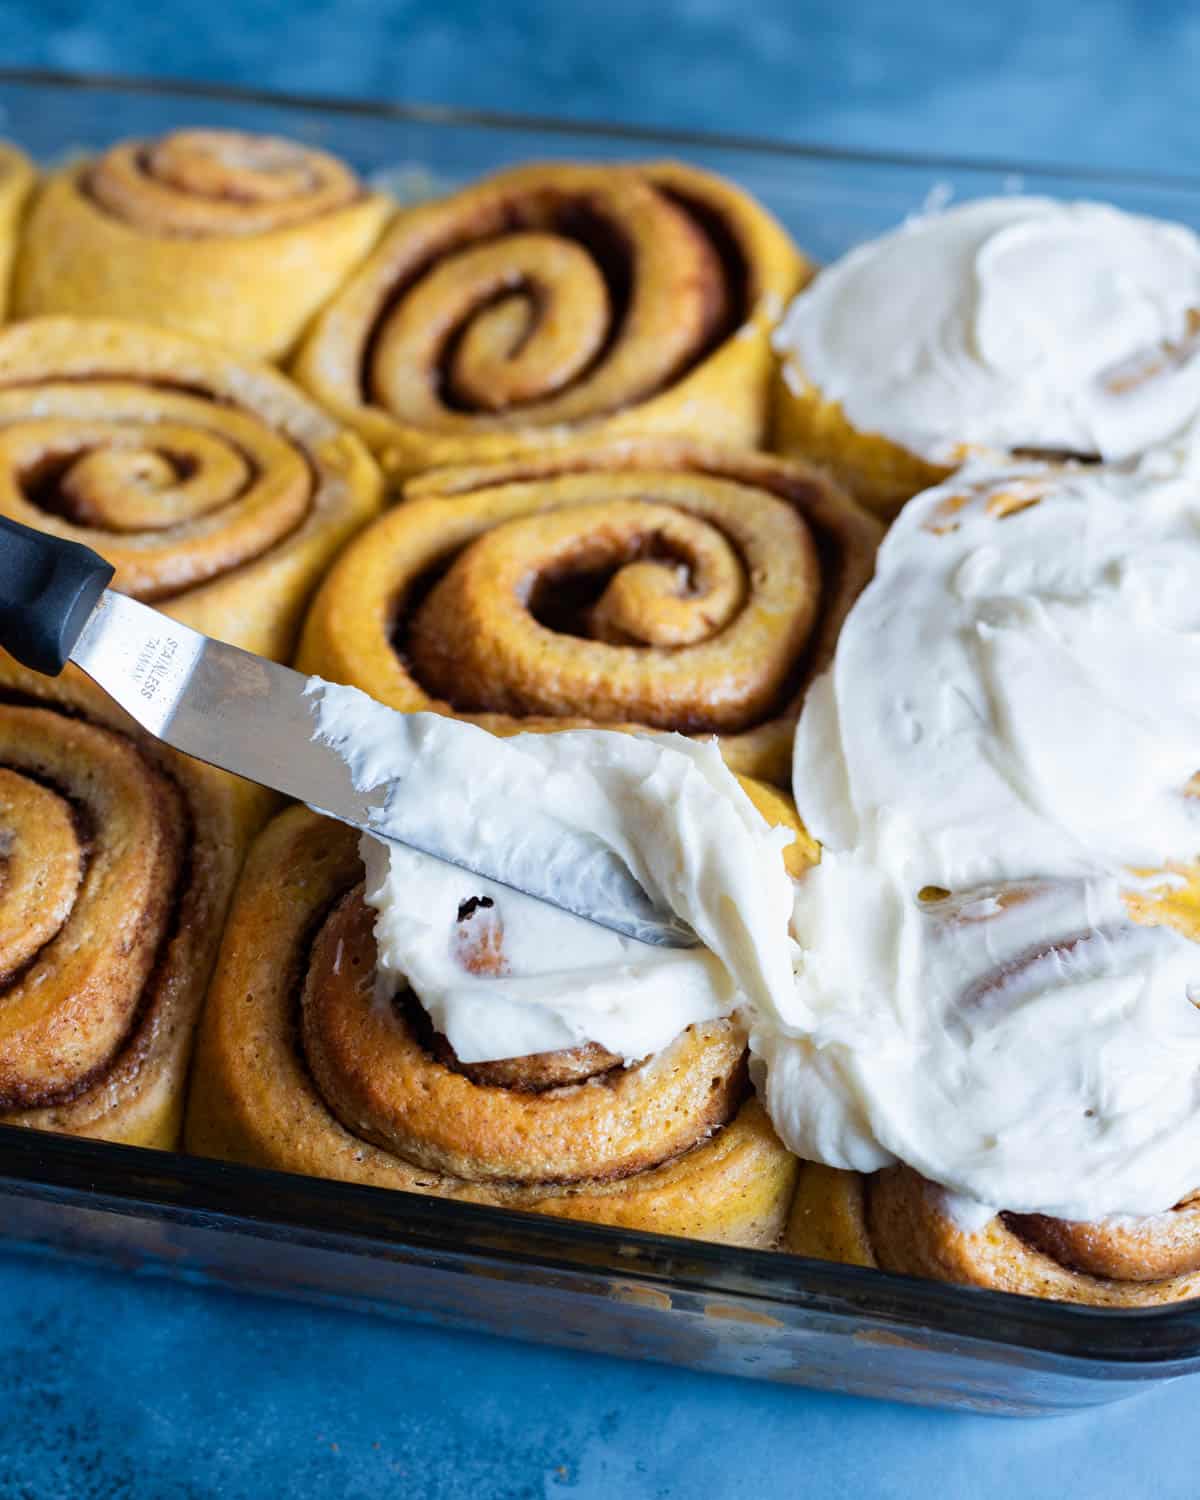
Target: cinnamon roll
<point>305,1065</point>
<point>898,1220</point>
<point>217,491</point>
<point>974,332</point>
<point>650,582</point>
<point>553,302</point>
<point>117,861</point>
<point>234,238</point>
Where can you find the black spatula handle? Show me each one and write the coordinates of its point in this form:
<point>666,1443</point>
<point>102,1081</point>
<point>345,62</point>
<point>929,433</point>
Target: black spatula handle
<point>48,588</point>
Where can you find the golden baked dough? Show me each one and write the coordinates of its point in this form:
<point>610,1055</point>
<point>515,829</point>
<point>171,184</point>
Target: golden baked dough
<point>117,861</point>
<point>556,302</point>
<point>879,473</point>
<point>17,178</point>
<point>649,582</point>
<point>299,1067</point>
<point>235,239</point>
<point>217,490</point>
<point>900,1222</point>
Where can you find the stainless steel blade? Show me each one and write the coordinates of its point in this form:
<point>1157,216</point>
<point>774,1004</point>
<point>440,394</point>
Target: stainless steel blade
<point>257,719</point>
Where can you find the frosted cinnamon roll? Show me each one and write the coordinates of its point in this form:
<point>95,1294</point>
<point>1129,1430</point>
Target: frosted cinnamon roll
<point>999,952</point>
<point>898,1220</point>
<point>117,860</point>
<point>234,238</point>
<point>1000,326</point>
<point>553,302</point>
<point>420,1033</point>
<point>658,583</point>
<point>217,491</point>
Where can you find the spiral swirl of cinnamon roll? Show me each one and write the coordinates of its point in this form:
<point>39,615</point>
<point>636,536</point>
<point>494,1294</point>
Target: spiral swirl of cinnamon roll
<point>552,302</point>
<point>214,488</point>
<point>117,860</point>
<point>651,582</point>
<point>235,238</point>
<point>899,1221</point>
<point>304,1066</point>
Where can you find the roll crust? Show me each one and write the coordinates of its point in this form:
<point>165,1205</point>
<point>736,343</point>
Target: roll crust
<point>881,474</point>
<point>17,179</point>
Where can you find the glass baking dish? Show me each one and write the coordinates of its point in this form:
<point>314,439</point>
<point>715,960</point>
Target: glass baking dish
<point>770,1316</point>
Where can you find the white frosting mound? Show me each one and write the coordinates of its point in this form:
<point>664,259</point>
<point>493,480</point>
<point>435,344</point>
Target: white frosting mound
<point>1012,717</point>
<point>1009,323</point>
<point>670,809</point>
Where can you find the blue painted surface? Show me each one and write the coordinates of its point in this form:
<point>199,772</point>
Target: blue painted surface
<point>117,1387</point>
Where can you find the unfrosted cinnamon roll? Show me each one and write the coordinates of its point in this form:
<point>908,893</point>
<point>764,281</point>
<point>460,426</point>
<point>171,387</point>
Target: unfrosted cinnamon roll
<point>235,238</point>
<point>554,302</point>
<point>304,1066</point>
<point>216,489</point>
<point>117,860</point>
<point>650,582</point>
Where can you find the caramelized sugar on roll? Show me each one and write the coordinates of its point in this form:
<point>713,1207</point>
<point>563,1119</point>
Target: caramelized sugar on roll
<point>214,488</point>
<point>651,582</point>
<point>234,238</point>
<point>116,861</point>
<point>303,1065</point>
<point>554,301</point>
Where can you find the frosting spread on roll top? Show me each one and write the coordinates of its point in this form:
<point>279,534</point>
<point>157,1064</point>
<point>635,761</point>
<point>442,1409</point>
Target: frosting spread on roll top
<point>504,975</point>
<point>1008,323</point>
<point>998,767</point>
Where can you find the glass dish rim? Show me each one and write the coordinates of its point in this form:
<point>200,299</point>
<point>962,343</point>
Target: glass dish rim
<point>173,1185</point>
<point>484,120</point>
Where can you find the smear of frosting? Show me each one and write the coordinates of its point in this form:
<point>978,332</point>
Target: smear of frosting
<point>505,975</point>
<point>1009,323</point>
<point>1005,739</point>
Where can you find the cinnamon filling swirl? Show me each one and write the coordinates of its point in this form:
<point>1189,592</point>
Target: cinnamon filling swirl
<point>553,301</point>
<point>647,583</point>
<point>558,1117</point>
<point>94,841</point>
<point>207,182</point>
<point>214,488</point>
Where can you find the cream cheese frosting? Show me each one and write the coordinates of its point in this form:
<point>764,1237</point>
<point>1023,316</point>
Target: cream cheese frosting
<point>1004,739</point>
<point>1008,323</point>
<point>668,806</point>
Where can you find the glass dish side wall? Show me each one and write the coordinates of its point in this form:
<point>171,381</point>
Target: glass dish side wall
<point>704,1307</point>
<point>752,1313</point>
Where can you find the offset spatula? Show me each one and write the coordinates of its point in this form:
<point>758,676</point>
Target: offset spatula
<point>248,715</point>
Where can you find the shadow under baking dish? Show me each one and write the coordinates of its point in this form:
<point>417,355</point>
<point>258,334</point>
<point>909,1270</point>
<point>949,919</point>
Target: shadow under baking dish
<point>708,1307</point>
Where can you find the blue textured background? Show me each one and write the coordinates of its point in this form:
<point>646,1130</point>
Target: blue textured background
<point>113,1387</point>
